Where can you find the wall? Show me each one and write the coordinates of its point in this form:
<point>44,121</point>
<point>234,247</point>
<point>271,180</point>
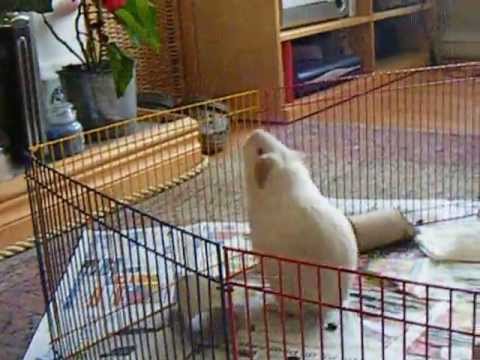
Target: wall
<point>53,55</point>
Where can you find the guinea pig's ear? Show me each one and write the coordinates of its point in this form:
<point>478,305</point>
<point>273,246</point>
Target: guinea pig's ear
<point>263,167</point>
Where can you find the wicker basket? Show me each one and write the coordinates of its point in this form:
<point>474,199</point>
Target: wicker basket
<point>163,71</point>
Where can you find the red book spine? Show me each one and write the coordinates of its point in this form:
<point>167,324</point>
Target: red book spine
<point>288,72</point>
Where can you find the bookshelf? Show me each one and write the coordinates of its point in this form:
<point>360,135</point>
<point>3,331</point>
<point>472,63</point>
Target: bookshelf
<point>232,45</point>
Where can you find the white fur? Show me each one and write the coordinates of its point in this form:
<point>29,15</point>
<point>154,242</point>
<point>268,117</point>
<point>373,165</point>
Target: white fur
<point>289,217</point>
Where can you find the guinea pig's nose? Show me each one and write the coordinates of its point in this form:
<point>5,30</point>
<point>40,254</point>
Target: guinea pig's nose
<point>260,152</point>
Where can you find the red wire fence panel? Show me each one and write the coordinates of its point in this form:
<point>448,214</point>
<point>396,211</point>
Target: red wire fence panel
<point>278,309</point>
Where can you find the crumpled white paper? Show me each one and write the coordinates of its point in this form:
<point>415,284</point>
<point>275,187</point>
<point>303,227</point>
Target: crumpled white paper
<point>451,241</point>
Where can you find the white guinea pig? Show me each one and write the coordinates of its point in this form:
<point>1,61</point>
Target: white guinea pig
<point>289,217</point>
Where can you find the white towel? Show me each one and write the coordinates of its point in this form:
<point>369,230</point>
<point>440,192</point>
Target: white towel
<point>452,241</point>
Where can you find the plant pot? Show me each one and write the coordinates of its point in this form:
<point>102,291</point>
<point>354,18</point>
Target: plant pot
<point>92,93</point>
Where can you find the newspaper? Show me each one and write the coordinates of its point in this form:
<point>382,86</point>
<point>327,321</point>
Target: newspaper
<point>136,282</point>
<point>110,284</point>
<point>378,321</point>
<point>108,277</point>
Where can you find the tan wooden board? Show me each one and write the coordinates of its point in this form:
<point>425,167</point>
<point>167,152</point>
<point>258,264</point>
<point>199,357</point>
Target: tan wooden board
<point>93,169</point>
<point>404,60</point>
<point>402,11</point>
<point>120,148</point>
<point>363,43</point>
<point>364,7</point>
<point>323,27</point>
<point>148,168</point>
<point>12,188</point>
<point>100,154</point>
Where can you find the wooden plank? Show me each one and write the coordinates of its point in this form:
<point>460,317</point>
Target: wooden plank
<point>403,11</point>
<point>119,148</point>
<point>12,188</point>
<point>146,169</point>
<point>363,43</point>
<point>166,172</point>
<point>278,24</point>
<point>120,171</point>
<point>21,228</point>
<point>131,170</point>
<point>14,191</point>
<point>287,35</point>
<point>364,7</point>
<point>103,153</point>
<point>405,60</point>
<point>17,231</point>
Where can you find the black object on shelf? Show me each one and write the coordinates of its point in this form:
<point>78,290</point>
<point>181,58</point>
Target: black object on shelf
<point>321,61</point>
<point>387,39</point>
<point>382,5</point>
<point>314,75</point>
<point>20,105</point>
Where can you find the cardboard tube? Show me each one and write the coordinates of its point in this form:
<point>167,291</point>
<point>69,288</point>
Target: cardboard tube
<point>381,228</point>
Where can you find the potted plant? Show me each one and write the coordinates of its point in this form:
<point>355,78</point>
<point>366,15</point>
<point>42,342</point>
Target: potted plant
<point>102,85</point>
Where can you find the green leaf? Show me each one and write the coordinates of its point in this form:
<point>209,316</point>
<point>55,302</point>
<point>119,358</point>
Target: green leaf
<point>131,25</point>
<point>143,9</point>
<point>40,6</point>
<point>147,14</point>
<point>122,68</point>
<point>139,19</point>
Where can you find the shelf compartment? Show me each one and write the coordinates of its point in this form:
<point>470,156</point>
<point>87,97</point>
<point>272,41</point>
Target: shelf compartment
<point>312,29</point>
<point>396,51</point>
<point>308,60</point>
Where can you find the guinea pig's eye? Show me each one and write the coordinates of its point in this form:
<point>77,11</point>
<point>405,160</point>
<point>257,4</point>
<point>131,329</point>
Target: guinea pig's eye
<point>259,151</point>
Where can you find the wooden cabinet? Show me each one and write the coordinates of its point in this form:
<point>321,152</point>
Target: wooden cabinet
<point>235,45</point>
<point>230,45</point>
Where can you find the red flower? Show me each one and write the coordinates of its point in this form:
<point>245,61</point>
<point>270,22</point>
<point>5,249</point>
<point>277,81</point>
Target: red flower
<point>114,5</point>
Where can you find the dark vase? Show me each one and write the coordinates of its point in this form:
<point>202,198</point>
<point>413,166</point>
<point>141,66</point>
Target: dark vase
<point>92,93</point>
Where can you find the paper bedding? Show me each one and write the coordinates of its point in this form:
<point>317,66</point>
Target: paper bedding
<point>134,334</point>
